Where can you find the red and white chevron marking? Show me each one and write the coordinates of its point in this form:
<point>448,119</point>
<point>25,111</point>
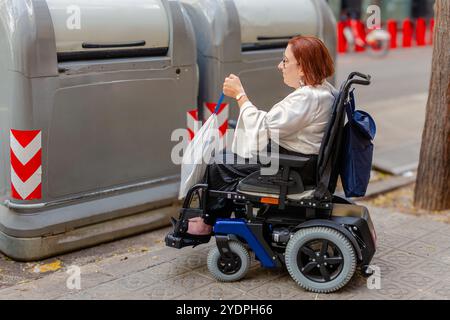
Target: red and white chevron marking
<point>208,108</point>
<point>222,115</point>
<point>26,164</point>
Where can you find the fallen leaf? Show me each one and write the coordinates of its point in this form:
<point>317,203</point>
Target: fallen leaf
<point>53,266</point>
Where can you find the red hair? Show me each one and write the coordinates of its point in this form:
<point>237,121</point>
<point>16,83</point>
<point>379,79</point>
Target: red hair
<point>313,57</point>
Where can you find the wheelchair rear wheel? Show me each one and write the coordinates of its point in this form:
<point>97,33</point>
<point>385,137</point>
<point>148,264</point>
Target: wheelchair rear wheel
<point>232,269</point>
<point>320,259</point>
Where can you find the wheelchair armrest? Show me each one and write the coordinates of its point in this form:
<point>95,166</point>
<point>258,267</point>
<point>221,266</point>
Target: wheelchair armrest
<point>285,160</point>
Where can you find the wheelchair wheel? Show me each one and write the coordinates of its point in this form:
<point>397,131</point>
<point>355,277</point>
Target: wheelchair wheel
<point>320,259</point>
<point>228,271</point>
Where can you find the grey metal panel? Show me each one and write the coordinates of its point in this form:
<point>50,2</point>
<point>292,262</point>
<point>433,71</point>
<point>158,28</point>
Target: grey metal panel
<point>116,127</point>
<point>328,30</point>
<point>106,124</point>
<point>28,29</point>
<point>217,29</point>
<point>34,248</point>
<point>73,214</point>
<point>183,44</point>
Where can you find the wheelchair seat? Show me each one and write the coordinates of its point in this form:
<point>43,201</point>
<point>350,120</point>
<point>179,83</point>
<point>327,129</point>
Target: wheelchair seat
<point>256,184</point>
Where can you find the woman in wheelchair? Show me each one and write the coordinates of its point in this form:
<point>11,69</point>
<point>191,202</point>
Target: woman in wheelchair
<point>299,120</point>
<point>292,217</point>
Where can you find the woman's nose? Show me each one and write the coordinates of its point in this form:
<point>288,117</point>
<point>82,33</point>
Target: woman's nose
<point>280,66</point>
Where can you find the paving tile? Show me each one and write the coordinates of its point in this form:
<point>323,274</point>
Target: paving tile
<point>279,289</point>
<point>444,229</point>
<point>386,268</point>
<point>166,270</point>
<point>120,268</point>
<point>391,290</point>
<point>434,269</point>
<point>438,239</point>
<point>423,249</point>
<point>410,231</point>
<point>256,277</point>
<point>443,256</point>
<point>398,219</point>
<point>157,291</point>
<point>403,259</point>
<point>382,250</point>
<point>425,296</point>
<point>214,291</point>
<point>46,288</point>
<point>389,239</point>
<point>414,280</point>
<point>133,282</point>
<point>427,224</point>
<point>106,291</point>
<point>92,279</point>
<point>442,290</point>
<point>189,281</point>
<point>192,261</point>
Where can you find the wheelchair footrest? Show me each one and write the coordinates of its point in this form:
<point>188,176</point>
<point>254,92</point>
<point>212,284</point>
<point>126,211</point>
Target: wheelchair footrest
<point>179,242</point>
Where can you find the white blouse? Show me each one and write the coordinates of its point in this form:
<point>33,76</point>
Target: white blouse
<point>298,122</point>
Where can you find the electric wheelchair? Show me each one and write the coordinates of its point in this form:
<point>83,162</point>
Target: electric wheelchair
<point>320,237</point>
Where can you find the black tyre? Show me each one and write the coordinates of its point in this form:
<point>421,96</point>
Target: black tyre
<point>320,259</point>
<point>227,271</point>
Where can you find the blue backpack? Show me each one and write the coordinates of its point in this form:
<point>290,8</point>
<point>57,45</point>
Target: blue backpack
<point>357,150</point>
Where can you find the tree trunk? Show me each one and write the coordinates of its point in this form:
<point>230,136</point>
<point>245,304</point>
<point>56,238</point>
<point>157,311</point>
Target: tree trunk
<point>433,177</point>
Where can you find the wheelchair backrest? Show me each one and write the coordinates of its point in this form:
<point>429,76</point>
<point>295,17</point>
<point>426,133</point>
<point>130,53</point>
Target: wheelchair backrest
<point>331,141</point>
<point>330,148</point>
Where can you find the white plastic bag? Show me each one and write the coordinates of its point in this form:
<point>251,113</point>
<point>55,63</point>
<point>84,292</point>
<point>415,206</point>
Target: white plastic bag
<point>198,154</point>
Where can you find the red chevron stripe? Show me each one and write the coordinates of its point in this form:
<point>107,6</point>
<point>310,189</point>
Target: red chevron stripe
<point>212,106</point>
<point>193,114</point>
<point>223,128</point>
<point>14,193</point>
<point>191,134</point>
<point>24,137</point>
<point>24,172</point>
<point>36,194</point>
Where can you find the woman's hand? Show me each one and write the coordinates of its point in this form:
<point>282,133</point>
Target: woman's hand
<point>232,86</point>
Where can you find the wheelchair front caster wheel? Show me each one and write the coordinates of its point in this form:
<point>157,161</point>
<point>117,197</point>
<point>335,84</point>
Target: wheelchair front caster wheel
<point>230,268</point>
<point>320,259</point>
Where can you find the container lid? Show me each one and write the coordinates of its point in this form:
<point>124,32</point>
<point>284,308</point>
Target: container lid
<point>269,21</point>
<point>109,25</point>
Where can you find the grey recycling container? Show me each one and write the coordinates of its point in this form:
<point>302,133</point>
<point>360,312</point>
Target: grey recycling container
<point>248,38</point>
<point>90,92</point>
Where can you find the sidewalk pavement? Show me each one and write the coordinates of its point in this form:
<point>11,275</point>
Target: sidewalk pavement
<point>413,255</point>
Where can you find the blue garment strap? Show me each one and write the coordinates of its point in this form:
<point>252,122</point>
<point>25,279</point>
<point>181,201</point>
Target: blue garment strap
<point>222,96</point>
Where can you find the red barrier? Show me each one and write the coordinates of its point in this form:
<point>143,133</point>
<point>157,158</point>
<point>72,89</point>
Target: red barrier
<point>431,30</point>
<point>392,29</point>
<point>360,34</point>
<point>421,31</point>
<point>342,42</point>
<point>408,31</point>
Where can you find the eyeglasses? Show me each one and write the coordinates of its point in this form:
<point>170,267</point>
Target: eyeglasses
<point>284,61</point>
